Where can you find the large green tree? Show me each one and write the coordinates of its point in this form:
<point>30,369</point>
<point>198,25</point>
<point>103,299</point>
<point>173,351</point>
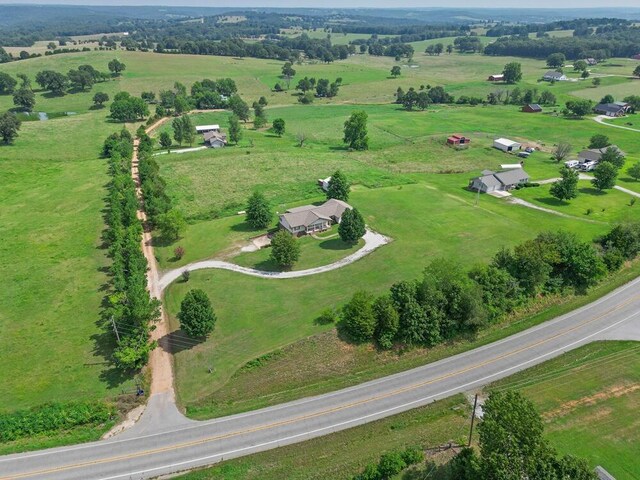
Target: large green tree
<point>9,126</point>
<point>171,225</point>
<point>605,176</point>
<point>556,60</point>
<point>352,226</point>
<point>636,72</point>
<point>278,126</point>
<point>358,318</point>
<point>285,249</point>
<point>24,98</point>
<point>613,156</point>
<point>355,131</point>
<point>567,187</point>
<point>634,171</point>
<point>7,83</point>
<point>116,66</point>
<point>395,71</point>
<point>512,72</point>
<point>599,141</point>
<point>235,130</point>
<point>258,212</point>
<point>339,187</point>
<point>239,108</point>
<point>387,321</point>
<point>579,108</point>
<point>196,315</point>
<point>100,98</point>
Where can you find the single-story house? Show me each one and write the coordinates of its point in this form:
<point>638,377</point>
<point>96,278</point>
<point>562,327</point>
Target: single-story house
<point>625,105</point>
<point>496,78</point>
<point>489,181</point>
<point>207,128</point>
<point>458,140</point>
<point>610,109</point>
<point>553,76</point>
<point>506,145</point>
<point>595,154</point>
<point>215,139</point>
<point>310,218</point>
<point>532,108</point>
<point>324,183</point>
<point>591,61</point>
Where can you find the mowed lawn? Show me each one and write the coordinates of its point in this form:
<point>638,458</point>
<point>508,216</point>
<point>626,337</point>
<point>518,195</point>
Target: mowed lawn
<point>52,196</point>
<point>610,206</point>
<point>426,220</point>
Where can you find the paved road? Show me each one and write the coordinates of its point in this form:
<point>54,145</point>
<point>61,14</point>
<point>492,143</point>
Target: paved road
<point>372,241</point>
<point>163,441</point>
<point>601,120</point>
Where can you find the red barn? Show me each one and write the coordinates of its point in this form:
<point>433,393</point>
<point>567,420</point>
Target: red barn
<point>458,140</point>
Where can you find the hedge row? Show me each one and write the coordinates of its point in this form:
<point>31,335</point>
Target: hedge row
<point>449,301</point>
<point>129,304</point>
<point>156,201</point>
<point>52,417</point>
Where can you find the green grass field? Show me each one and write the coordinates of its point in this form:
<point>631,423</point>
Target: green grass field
<point>588,398</point>
<point>54,187</point>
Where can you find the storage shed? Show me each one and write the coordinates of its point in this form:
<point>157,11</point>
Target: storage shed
<point>506,145</point>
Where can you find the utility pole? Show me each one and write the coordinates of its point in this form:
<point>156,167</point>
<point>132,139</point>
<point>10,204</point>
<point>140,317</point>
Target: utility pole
<point>115,329</point>
<point>473,417</point>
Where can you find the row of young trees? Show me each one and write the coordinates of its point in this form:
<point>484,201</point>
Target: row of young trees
<point>130,309</point>
<point>448,301</point>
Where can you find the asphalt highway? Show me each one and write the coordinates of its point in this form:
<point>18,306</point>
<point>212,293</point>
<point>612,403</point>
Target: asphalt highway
<point>163,442</point>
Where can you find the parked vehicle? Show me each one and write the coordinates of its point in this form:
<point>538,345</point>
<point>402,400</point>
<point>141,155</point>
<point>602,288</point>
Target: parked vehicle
<point>588,166</point>
<point>524,154</point>
<point>572,164</point>
<point>529,150</point>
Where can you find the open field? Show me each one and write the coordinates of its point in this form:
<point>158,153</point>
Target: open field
<point>54,188</point>
<point>52,265</point>
<point>589,400</point>
<point>586,397</point>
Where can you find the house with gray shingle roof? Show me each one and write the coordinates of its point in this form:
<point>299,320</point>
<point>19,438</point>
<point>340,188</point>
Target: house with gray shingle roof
<point>312,218</point>
<point>506,180</point>
<point>553,76</point>
<point>610,109</point>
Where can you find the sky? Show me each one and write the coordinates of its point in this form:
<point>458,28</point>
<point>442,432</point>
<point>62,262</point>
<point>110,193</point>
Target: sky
<point>352,3</point>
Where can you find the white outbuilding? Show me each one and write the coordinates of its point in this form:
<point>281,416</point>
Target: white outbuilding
<point>506,145</point>
<point>207,128</point>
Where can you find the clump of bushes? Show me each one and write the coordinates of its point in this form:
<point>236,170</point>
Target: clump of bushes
<point>448,301</point>
<point>391,464</point>
<point>52,417</point>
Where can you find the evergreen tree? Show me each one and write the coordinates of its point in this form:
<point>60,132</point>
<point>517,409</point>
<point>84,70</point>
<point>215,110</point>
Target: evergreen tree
<point>258,213</point>
<point>358,317</point>
<point>339,187</point>
<point>605,175</point>
<point>352,226</point>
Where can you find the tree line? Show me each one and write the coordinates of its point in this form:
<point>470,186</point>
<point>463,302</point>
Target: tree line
<point>622,42</point>
<point>130,310</point>
<point>448,301</point>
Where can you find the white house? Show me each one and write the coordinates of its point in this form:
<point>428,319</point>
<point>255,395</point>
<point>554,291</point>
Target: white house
<point>506,145</point>
<point>553,76</point>
<point>207,128</point>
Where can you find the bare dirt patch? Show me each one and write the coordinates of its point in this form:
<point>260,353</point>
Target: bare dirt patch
<point>612,392</point>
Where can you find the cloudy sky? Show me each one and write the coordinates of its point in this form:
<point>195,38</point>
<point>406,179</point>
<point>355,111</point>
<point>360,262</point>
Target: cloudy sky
<point>351,3</point>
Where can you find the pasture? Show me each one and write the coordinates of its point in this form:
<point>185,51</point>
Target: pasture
<point>408,185</point>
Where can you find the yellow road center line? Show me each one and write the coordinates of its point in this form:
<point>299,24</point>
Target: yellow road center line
<point>326,411</point>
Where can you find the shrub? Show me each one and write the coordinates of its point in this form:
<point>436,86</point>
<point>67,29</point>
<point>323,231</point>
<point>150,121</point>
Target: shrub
<point>391,464</point>
<point>178,252</point>
<point>412,456</point>
<point>186,275</point>
<point>52,417</point>
<point>328,315</point>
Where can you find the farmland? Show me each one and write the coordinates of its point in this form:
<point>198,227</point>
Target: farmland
<point>408,185</point>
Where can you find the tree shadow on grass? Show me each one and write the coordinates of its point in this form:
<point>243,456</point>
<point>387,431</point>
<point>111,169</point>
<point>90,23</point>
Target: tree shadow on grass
<point>269,266</point>
<point>245,228</point>
<point>629,180</point>
<point>592,191</point>
<point>551,201</point>
<point>335,244</point>
<point>339,148</point>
